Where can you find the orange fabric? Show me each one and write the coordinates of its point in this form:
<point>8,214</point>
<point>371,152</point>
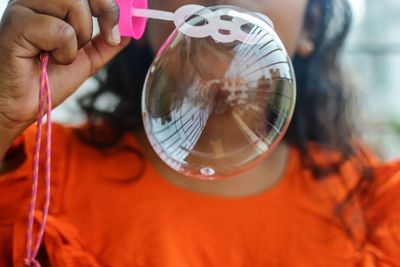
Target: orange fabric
<point>100,215</point>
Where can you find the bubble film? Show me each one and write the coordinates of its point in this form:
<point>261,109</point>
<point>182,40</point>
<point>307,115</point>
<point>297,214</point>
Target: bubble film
<point>220,93</point>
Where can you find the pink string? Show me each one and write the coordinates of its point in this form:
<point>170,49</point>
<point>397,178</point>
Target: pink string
<point>44,102</point>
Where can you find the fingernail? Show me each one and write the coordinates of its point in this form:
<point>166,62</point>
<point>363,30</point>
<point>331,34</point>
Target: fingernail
<point>115,35</point>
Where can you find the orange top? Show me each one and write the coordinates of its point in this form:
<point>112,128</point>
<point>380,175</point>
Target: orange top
<point>100,216</point>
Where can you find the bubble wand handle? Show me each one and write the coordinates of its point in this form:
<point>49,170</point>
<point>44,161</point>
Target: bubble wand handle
<point>134,15</point>
<point>153,14</point>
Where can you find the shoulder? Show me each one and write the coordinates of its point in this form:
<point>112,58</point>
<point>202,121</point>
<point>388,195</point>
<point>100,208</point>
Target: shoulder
<point>383,198</point>
<point>90,155</point>
<point>335,170</point>
<point>363,175</point>
<point>366,202</point>
<point>61,136</point>
<point>382,206</point>
<point>76,161</point>
<point>72,152</point>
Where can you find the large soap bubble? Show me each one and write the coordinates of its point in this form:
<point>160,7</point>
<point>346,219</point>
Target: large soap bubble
<point>220,93</point>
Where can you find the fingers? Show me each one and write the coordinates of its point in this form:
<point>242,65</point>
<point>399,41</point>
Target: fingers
<point>52,25</point>
<point>75,12</point>
<point>107,12</point>
<point>78,13</point>
<point>34,32</point>
<point>88,61</point>
<point>99,52</point>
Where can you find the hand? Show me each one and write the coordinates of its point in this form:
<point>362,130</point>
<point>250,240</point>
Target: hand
<point>62,27</point>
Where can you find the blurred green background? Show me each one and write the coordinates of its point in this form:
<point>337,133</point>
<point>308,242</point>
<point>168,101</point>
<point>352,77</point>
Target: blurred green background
<point>372,59</point>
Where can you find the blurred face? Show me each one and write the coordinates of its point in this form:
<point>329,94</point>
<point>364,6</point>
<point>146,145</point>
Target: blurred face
<point>287,16</point>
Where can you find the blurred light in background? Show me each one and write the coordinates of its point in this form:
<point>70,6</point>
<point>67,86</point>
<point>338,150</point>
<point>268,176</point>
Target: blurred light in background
<point>358,7</point>
<point>371,61</point>
<point>3,4</point>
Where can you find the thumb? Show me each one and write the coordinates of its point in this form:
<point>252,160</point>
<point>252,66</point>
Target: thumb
<point>97,53</point>
<point>89,60</point>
